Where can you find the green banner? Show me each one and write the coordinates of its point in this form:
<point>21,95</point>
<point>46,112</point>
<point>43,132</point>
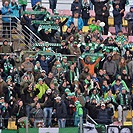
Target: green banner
<point>92,54</point>
<point>34,12</point>
<point>43,27</point>
<point>47,44</point>
<point>43,22</point>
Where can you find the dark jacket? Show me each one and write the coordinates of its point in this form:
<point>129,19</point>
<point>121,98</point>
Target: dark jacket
<point>44,64</point>
<point>98,5</point>
<point>105,116</point>
<point>85,11</point>
<point>101,17</point>
<point>49,102</point>
<point>73,7</point>
<point>61,110</point>
<point>117,17</point>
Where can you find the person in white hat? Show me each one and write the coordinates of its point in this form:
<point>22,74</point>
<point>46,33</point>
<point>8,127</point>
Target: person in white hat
<point>48,103</point>
<point>61,112</point>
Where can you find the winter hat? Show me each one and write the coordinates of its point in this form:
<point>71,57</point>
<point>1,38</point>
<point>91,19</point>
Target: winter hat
<point>69,94</point>
<point>40,79</point>
<point>77,102</point>
<point>58,66</point>
<point>67,90</point>
<point>76,78</point>
<point>48,91</point>
<point>58,97</point>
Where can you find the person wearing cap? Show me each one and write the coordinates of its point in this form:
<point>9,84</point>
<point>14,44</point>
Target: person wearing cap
<point>70,110</point>
<point>78,114</point>
<point>42,87</point>
<point>47,101</point>
<point>104,115</point>
<point>6,48</point>
<point>65,64</point>
<point>110,67</point>
<point>64,91</point>
<point>123,99</point>
<point>61,112</point>
<point>129,18</point>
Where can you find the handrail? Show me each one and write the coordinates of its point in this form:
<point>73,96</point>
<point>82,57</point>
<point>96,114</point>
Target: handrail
<point>30,30</point>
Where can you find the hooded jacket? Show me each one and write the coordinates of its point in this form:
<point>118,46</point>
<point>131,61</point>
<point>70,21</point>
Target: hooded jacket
<point>110,66</point>
<point>129,16</point>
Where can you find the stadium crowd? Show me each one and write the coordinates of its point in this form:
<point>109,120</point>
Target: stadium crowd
<point>91,76</point>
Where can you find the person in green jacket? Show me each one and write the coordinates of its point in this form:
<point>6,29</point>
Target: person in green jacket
<point>42,87</point>
<point>78,114</point>
<point>23,4</point>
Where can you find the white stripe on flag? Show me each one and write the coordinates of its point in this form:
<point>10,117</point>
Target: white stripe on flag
<point>48,130</point>
<point>0,131</point>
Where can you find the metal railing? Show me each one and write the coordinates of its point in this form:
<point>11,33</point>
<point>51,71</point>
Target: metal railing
<point>21,34</point>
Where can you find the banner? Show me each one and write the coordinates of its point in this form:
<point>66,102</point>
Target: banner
<point>43,27</point>
<point>47,44</point>
<point>34,12</point>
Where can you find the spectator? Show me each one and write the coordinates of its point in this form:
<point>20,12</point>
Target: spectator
<point>98,4</point>
<point>110,67</point>
<point>48,104</point>
<point>61,112</point>
<point>44,63</point>
<point>52,5</point>
<point>6,48</point>
<point>129,18</point>
<point>79,113</point>
<point>27,64</point>
<point>105,114</point>
<point>85,12</point>
<point>42,87</point>
<point>123,100</point>
<point>90,65</point>
<point>103,15</point>
<point>15,8</point>
<point>76,7</point>
<point>6,20</point>
<point>38,114</point>
<point>118,14</point>
<point>77,20</point>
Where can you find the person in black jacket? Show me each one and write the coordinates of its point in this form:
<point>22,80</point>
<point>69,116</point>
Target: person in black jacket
<point>76,7</point>
<point>104,115</point>
<point>121,3</point>
<point>103,15</point>
<point>61,112</point>
<point>98,4</point>
<point>19,112</point>
<point>85,12</point>
<point>118,14</point>
<point>48,103</point>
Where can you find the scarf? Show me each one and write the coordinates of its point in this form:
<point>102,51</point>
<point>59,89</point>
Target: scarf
<point>71,76</point>
<point>123,101</point>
